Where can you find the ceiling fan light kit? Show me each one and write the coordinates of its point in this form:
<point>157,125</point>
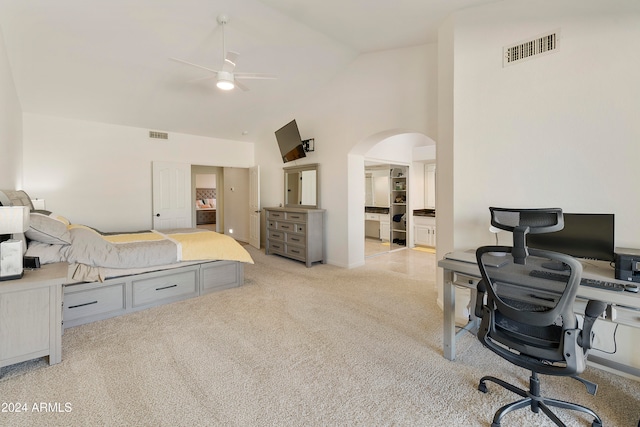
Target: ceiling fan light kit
<point>226,78</point>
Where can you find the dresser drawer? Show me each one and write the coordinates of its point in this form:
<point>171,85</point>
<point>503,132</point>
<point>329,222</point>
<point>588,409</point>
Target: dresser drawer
<point>276,235</point>
<point>272,224</point>
<point>275,215</point>
<point>175,286</point>
<point>295,216</point>
<point>91,302</point>
<point>286,226</point>
<point>276,247</point>
<point>300,228</point>
<point>296,252</point>
<point>296,239</point>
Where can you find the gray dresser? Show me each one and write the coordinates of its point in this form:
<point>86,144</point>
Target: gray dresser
<point>296,233</point>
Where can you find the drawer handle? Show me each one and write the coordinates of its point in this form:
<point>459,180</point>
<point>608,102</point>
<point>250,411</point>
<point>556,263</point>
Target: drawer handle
<point>82,305</point>
<point>295,239</point>
<point>276,247</point>
<point>166,287</point>
<point>295,251</point>
<point>286,227</point>
<point>296,216</point>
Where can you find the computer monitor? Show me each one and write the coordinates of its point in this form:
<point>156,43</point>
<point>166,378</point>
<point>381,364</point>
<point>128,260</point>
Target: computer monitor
<point>585,235</point>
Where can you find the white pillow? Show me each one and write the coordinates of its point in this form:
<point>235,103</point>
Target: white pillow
<point>45,227</point>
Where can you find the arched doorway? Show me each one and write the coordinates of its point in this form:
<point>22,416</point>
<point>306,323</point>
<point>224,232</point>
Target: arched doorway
<point>393,146</point>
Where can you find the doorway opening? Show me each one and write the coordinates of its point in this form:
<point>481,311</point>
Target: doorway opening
<point>206,201</point>
<point>391,147</point>
<point>386,207</point>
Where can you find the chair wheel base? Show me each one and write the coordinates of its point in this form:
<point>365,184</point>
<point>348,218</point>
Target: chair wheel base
<point>534,401</point>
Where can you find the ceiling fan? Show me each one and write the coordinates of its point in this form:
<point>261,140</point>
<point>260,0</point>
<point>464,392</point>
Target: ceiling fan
<point>226,78</point>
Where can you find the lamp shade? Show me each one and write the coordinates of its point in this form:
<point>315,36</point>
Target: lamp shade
<point>38,204</point>
<point>14,219</point>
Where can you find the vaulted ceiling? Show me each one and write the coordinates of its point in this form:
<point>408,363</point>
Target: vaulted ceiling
<point>108,61</point>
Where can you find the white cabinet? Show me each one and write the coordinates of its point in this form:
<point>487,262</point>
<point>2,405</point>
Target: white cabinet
<point>377,226</point>
<point>430,185</point>
<point>377,188</point>
<point>385,228</point>
<point>424,229</point>
<point>31,315</point>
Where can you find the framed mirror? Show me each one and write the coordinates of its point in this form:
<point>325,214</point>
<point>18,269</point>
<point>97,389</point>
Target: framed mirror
<point>301,186</point>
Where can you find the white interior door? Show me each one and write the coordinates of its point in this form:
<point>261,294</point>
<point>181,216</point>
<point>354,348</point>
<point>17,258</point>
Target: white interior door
<point>254,206</point>
<point>171,195</point>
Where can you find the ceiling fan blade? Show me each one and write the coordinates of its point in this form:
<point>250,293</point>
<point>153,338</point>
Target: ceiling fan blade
<point>194,65</point>
<point>200,79</point>
<point>240,85</point>
<point>254,76</point>
<point>230,61</point>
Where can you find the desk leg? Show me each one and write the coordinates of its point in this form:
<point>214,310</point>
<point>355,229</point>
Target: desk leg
<point>449,313</point>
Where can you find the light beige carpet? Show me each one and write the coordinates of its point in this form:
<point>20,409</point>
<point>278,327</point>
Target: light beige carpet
<point>294,346</point>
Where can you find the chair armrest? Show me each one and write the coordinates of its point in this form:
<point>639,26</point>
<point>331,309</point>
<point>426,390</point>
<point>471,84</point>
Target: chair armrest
<point>481,290</point>
<point>593,310</point>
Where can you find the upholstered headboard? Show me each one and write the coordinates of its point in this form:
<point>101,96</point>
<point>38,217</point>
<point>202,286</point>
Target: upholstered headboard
<point>205,193</point>
<point>15,198</point>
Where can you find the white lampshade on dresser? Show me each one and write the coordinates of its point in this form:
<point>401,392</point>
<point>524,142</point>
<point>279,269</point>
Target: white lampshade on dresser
<point>38,204</point>
<point>13,220</point>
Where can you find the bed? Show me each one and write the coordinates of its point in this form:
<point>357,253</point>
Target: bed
<point>111,274</point>
<point>205,206</point>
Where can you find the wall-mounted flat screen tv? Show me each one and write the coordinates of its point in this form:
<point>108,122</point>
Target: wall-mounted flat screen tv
<point>290,142</point>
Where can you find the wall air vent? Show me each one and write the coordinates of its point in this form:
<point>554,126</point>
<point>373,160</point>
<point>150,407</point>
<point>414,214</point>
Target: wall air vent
<point>158,135</point>
<point>545,44</point>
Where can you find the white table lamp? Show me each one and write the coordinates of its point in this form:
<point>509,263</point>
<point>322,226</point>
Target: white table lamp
<point>13,220</point>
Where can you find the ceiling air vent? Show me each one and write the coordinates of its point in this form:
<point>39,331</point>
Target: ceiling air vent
<point>158,135</point>
<point>530,48</point>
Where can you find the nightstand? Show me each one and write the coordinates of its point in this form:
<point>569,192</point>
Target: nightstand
<point>31,315</point>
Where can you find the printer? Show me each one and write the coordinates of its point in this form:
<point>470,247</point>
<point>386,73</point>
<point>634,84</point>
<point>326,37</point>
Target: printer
<point>628,264</point>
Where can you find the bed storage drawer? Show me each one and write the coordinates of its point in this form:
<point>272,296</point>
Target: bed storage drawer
<point>220,275</point>
<point>168,287</point>
<point>82,302</point>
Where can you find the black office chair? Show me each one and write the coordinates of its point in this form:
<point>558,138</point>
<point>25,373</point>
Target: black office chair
<point>527,316</point>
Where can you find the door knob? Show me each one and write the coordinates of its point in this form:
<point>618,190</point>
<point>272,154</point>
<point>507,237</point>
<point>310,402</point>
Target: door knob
<point>157,214</point>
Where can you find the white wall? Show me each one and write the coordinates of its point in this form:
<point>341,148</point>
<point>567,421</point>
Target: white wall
<point>10,127</point>
<point>361,102</point>
<point>206,180</point>
<point>558,130</point>
<point>236,203</point>
<point>100,174</point>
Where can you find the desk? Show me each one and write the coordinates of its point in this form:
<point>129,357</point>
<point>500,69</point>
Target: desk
<point>460,269</point>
